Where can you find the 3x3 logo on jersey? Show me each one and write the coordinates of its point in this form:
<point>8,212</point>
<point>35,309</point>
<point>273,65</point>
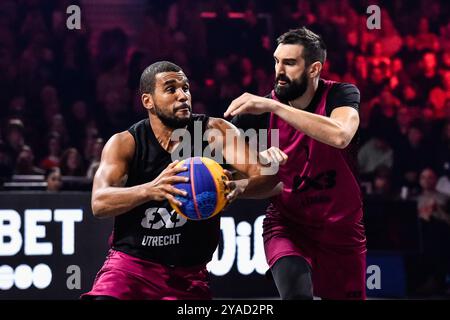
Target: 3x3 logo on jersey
<point>157,218</point>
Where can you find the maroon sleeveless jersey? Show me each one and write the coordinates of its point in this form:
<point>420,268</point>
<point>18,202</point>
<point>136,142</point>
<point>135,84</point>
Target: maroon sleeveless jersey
<point>320,181</point>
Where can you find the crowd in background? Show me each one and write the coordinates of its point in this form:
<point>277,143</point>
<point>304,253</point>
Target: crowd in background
<point>62,97</point>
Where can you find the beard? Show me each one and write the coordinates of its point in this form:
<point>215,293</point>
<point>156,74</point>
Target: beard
<point>292,89</point>
<point>171,120</point>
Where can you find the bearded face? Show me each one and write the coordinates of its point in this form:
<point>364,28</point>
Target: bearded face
<point>287,89</point>
<point>172,99</point>
<point>178,117</point>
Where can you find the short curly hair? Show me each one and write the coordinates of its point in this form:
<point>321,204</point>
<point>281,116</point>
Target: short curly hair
<point>147,83</point>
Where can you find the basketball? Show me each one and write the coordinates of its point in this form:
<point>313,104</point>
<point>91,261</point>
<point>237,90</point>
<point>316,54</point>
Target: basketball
<point>206,189</point>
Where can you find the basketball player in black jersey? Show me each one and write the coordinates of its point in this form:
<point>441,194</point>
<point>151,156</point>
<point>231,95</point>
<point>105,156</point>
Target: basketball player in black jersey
<point>155,253</point>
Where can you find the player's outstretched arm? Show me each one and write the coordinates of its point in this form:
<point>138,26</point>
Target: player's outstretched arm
<point>337,130</point>
<point>109,196</point>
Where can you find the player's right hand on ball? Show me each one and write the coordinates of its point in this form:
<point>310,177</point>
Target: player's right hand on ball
<point>272,156</point>
<point>162,187</point>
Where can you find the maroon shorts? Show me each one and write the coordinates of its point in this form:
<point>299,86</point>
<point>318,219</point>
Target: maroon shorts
<point>129,278</point>
<point>336,254</point>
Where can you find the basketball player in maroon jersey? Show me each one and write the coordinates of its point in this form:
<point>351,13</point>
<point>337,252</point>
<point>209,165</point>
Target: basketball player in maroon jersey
<point>314,238</point>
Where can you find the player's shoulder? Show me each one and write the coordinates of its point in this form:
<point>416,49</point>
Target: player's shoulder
<point>121,144</point>
<point>342,94</point>
<point>344,87</point>
<point>121,137</point>
<point>140,125</point>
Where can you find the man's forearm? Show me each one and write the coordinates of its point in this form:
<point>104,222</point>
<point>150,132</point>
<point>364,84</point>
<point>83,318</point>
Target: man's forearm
<point>112,201</point>
<point>320,128</point>
<point>260,187</point>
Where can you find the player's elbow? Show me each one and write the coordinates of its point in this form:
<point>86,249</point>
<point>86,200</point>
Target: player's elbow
<point>341,144</point>
<point>342,140</point>
<point>98,209</point>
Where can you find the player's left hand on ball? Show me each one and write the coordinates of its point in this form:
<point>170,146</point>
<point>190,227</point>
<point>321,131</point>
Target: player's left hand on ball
<point>237,187</point>
<point>234,187</point>
<point>249,103</point>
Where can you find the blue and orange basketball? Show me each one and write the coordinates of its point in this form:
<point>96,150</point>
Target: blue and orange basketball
<point>206,189</point>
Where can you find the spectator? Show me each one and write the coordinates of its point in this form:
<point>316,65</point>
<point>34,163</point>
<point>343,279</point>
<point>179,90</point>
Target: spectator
<point>113,77</point>
<point>25,163</point>
<point>96,157</point>
<point>17,108</point>
<point>409,95</point>
<point>91,134</point>
<point>428,76</point>
<point>377,82</point>
<point>382,183</point>
<point>382,117</point>
<point>53,179</point>
<point>404,119</point>
<point>248,82</point>
<point>184,15</point>
<point>426,40</point>
<point>409,55</point>
<point>58,125</point>
<point>443,184</point>
<point>227,87</point>
<point>78,118</point>
<point>411,158</point>
<point>14,137</point>
<point>377,59</point>
<point>397,74</point>
<point>387,102</point>
<point>6,164</point>
<point>328,73</point>
<point>76,66</point>
<point>263,82</point>
<point>431,202</point>
<point>50,103</point>
<point>358,71</point>
<point>53,152</point>
<point>71,163</point>
<point>374,154</point>
<point>434,262</point>
<point>439,95</point>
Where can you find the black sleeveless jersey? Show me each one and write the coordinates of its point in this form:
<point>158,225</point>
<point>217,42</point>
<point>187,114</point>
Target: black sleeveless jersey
<point>153,231</point>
